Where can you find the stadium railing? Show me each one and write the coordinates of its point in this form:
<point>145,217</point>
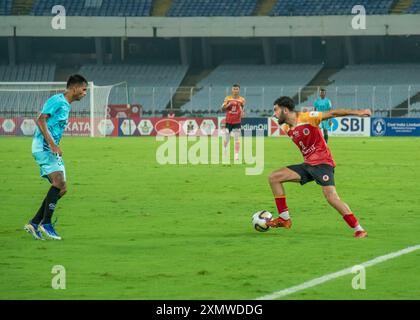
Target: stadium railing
<point>26,99</point>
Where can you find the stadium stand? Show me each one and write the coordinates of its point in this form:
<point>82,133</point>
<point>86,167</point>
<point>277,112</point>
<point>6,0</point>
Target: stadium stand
<point>381,87</point>
<point>415,7</point>
<point>95,7</point>
<point>24,103</point>
<point>328,7</point>
<point>27,72</point>
<point>260,85</point>
<point>191,8</point>
<point>152,86</point>
<point>5,7</point>
<point>414,110</point>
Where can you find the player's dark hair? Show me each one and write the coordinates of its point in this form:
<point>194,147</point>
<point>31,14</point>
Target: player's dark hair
<point>76,79</point>
<point>322,90</point>
<point>236,86</point>
<point>285,102</point>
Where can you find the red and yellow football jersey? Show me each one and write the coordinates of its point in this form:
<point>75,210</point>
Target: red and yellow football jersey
<point>234,109</point>
<point>309,139</point>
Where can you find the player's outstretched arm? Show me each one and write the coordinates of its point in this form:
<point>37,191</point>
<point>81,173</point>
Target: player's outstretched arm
<point>42,124</point>
<point>346,112</point>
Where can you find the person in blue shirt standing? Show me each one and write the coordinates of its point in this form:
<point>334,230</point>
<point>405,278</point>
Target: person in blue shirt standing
<point>323,104</point>
<point>47,153</point>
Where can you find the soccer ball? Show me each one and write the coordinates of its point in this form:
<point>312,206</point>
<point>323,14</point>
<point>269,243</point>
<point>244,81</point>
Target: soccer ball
<point>259,220</point>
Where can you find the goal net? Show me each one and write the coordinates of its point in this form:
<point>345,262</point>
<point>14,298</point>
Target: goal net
<point>22,101</point>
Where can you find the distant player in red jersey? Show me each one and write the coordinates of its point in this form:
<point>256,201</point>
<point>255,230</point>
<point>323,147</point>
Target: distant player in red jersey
<point>234,106</point>
<point>318,164</point>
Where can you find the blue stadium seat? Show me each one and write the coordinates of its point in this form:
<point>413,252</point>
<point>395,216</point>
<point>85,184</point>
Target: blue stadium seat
<point>328,7</point>
<point>5,7</point>
<point>358,85</point>
<point>253,78</point>
<point>94,8</point>
<point>150,85</point>
<point>211,8</point>
<point>24,103</point>
<point>415,7</point>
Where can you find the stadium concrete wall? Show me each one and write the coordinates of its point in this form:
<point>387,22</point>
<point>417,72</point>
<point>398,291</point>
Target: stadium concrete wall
<point>31,26</point>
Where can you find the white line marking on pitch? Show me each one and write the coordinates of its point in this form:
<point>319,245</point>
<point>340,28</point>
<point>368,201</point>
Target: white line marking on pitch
<point>331,276</point>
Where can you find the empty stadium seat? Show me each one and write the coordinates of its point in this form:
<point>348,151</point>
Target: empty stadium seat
<point>380,87</point>
<point>414,110</point>
<point>152,86</point>
<point>260,85</point>
<point>414,8</point>
<point>328,7</point>
<point>27,103</point>
<point>191,8</point>
<point>95,7</point>
<point>5,7</point>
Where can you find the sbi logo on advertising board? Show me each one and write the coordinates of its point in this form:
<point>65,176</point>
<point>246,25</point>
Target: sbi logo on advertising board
<point>348,125</point>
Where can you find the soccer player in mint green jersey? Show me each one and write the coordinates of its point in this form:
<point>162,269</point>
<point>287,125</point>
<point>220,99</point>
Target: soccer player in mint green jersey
<point>323,104</point>
<point>47,153</point>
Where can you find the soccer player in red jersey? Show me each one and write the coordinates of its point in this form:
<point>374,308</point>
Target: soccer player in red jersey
<point>234,106</point>
<point>318,164</point>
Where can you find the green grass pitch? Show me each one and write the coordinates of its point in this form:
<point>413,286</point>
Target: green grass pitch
<point>134,229</point>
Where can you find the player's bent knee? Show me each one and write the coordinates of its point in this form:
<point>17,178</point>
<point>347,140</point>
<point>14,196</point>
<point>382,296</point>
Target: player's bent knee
<point>63,192</point>
<point>276,177</point>
<point>59,184</point>
<point>272,178</point>
<point>58,181</point>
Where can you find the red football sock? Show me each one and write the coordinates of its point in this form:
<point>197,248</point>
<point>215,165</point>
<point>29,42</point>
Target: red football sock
<point>281,204</point>
<point>237,146</point>
<point>351,220</point>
